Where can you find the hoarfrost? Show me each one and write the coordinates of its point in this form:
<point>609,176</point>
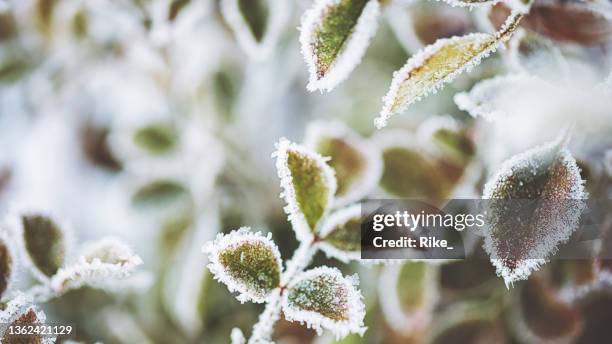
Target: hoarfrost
<point>347,55</point>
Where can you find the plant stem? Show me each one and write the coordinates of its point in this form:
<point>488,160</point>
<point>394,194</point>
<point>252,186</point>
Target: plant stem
<point>262,330</point>
<point>300,260</point>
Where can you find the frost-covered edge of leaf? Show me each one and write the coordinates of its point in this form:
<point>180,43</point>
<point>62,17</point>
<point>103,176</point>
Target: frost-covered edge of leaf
<point>17,307</point>
<point>392,310</point>
<point>14,226</point>
<point>225,241</point>
<point>399,76</point>
<point>279,13</point>
<point>374,165</point>
<point>314,320</point>
<point>471,5</point>
<point>473,101</point>
<point>335,219</point>
<point>527,266</point>
<point>9,244</point>
<point>94,272</point>
<point>292,209</point>
<point>352,51</point>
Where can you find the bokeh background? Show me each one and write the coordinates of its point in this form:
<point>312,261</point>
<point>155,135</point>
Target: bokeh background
<point>147,120</point>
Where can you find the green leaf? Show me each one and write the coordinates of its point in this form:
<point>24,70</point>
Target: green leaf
<point>341,234</point>
<point>437,64</point>
<point>6,266</point>
<point>255,13</point>
<point>324,299</point>
<point>160,192</point>
<point>334,36</point>
<point>356,163</point>
<point>408,173</point>
<point>44,243</point>
<point>408,295</point>
<point>308,186</point>
<point>157,138</point>
<point>247,263</point>
<point>536,199</point>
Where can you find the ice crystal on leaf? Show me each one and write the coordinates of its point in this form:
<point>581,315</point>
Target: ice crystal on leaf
<point>334,36</point>
<point>439,63</point>
<point>308,185</point>
<point>471,3</point>
<point>520,235</point>
<point>257,24</point>
<point>324,299</point>
<point>248,263</point>
<point>237,337</point>
<point>356,162</point>
<point>341,234</point>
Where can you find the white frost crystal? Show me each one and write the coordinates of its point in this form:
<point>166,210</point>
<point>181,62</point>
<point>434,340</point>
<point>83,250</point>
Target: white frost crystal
<point>324,299</point>
<point>248,263</point>
<point>519,243</point>
<point>327,69</point>
<point>308,184</point>
<point>101,265</point>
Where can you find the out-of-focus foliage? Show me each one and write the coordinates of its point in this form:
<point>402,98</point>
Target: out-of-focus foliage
<point>149,124</point>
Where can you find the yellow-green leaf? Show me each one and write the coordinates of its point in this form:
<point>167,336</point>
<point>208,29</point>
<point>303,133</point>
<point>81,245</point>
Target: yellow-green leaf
<point>437,64</point>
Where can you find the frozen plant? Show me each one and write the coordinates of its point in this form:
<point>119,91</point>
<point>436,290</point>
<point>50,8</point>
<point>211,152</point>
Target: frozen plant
<point>43,244</point>
<point>335,34</point>
<point>249,263</point>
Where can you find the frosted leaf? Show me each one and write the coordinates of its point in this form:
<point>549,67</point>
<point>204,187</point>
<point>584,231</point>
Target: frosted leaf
<point>471,3</point>
<point>552,18</point>
<point>157,138</point>
<point>356,162</point>
<point>19,312</point>
<point>248,263</point>
<point>409,305</point>
<point>308,185</point>
<point>541,317</point>
<point>520,235</point>
<point>44,240</point>
<point>407,171</point>
<point>341,234</point>
<point>101,264</point>
<point>6,265</point>
<point>493,98</point>
<point>334,36</point>
<point>257,24</point>
<point>437,64</point>
<point>324,299</point>
<point>447,141</point>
